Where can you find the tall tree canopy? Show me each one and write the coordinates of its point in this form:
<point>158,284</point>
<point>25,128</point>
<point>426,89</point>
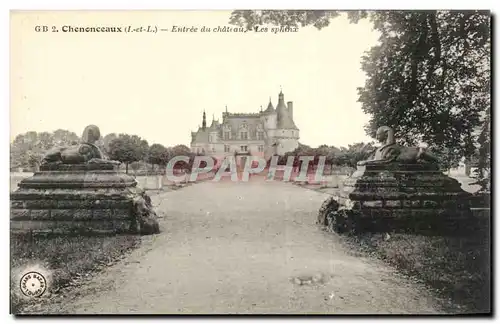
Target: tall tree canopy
<point>157,155</point>
<point>127,149</point>
<point>26,151</point>
<point>181,150</point>
<point>428,78</point>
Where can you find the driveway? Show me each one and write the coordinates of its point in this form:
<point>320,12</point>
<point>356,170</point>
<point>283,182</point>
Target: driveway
<point>238,248</point>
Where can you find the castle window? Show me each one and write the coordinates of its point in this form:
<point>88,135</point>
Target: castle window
<point>244,135</point>
<point>260,136</point>
<point>226,148</point>
<point>244,148</point>
<point>261,148</point>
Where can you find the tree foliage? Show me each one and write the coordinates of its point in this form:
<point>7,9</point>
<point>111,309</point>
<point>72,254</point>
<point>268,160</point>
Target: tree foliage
<point>158,155</point>
<point>180,150</point>
<point>354,153</point>
<point>343,156</point>
<point>127,149</point>
<point>108,139</point>
<point>428,78</point>
<point>483,171</point>
<point>26,151</point>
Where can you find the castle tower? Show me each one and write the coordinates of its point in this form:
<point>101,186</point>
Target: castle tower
<point>204,123</point>
<point>213,130</point>
<point>268,118</point>
<point>213,137</point>
<point>287,133</point>
<point>290,109</point>
<point>285,120</point>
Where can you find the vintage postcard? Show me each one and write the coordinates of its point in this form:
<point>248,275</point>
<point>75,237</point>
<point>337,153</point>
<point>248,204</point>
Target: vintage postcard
<point>250,162</point>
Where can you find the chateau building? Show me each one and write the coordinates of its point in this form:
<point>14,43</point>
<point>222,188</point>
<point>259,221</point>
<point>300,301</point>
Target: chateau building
<point>266,133</point>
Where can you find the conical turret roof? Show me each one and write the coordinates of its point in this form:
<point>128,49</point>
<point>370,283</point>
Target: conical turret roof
<point>285,120</point>
<point>270,108</point>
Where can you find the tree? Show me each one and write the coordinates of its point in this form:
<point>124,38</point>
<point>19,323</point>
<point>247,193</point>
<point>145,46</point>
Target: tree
<point>428,79</point>
<point>359,152</point>
<point>127,149</point>
<point>332,155</point>
<point>354,153</point>
<point>180,150</point>
<point>62,137</point>
<point>34,160</point>
<point>483,171</point>
<point>136,165</point>
<point>107,140</point>
<point>166,156</point>
<point>157,155</point>
<point>27,149</point>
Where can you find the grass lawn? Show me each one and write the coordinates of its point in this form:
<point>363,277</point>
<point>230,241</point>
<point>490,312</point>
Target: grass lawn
<point>65,258</point>
<point>457,268</point>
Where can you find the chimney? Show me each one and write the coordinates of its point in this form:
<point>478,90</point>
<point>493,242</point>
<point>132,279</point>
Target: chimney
<point>290,109</point>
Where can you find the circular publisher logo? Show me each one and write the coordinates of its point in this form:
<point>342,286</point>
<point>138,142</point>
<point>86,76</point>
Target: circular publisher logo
<point>33,284</point>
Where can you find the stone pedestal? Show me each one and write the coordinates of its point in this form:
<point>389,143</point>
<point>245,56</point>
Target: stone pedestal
<point>81,198</point>
<point>400,198</point>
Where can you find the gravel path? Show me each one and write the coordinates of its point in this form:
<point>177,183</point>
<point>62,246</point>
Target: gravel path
<point>236,248</point>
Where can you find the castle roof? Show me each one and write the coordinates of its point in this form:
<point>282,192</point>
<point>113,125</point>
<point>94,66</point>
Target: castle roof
<point>285,120</point>
<point>270,108</point>
<point>241,115</point>
<point>201,136</point>
<point>215,125</point>
<point>234,122</point>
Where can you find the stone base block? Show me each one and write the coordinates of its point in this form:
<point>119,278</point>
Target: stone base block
<point>82,198</point>
<point>403,220</point>
<point>111,226</point>
<point>400,198</point>
<point>70,214</point>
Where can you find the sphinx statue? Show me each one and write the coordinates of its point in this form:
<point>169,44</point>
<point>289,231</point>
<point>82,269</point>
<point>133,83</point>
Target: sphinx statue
<point>79,190</point>
<point>85,152</point>
<point>390,152</point>
<point>399,189</point>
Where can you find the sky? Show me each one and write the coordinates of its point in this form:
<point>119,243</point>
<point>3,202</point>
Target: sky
<point>156,85</point>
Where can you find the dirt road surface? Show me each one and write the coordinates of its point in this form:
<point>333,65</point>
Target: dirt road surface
<point>235,248</point>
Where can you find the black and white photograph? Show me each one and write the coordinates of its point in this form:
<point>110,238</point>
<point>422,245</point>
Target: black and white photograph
<point>250,162</point>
